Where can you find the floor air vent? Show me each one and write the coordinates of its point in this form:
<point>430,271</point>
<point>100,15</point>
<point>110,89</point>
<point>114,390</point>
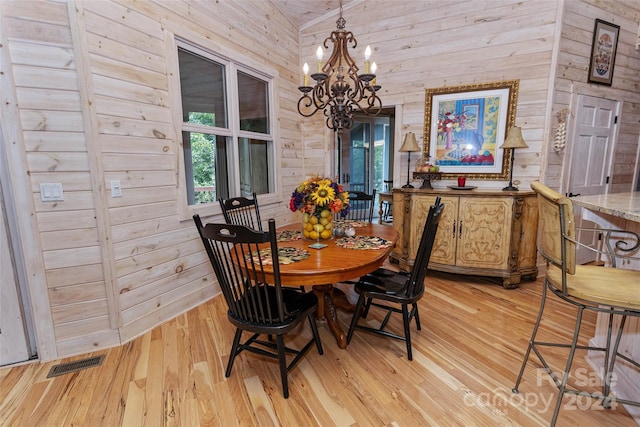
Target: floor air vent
<point>78,365</point>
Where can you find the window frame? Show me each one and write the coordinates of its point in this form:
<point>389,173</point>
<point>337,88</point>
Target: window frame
<point>233,63</point>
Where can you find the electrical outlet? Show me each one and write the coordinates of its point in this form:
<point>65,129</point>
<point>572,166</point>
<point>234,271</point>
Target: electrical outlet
<point>51,192</point>
<point>116,189</point>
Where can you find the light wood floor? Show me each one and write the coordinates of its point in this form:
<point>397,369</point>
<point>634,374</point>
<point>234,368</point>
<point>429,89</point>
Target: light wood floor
<point>466,359</point>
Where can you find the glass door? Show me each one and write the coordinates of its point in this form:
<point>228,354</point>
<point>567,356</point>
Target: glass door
<point>366,154</point>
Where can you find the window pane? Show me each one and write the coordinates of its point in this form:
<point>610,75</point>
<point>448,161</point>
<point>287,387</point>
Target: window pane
<point>206,167</point>
<point>254,166</point>
<point>204,98</point>
<point>253,98</point>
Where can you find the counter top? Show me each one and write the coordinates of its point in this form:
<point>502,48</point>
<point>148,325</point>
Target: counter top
<point>622,205</point>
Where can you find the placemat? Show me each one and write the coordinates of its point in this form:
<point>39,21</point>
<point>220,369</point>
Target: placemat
<point>363,242</point>
<point>288,235</point>
<point>286,255</point>
<point>346,222</point>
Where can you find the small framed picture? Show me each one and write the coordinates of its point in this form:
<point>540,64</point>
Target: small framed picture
<point>603,52</point>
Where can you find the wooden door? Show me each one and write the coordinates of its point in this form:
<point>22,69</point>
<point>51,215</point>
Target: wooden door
<point>13,338</point>
<point>590,160</point>
<point>483,232</point>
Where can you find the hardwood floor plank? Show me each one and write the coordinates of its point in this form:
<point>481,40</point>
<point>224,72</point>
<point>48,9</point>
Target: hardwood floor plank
<point>466,359</point>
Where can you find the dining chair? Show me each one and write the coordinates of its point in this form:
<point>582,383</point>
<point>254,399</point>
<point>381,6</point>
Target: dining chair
<point>396,291</point>
<point>613,291</point>
<point>241,211</point>
<point>387,206</point>
<point>255,306</point>
<point>361,206</point>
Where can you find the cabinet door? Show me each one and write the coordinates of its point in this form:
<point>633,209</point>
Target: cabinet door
<point>444,248</point>
<point>484,227</point>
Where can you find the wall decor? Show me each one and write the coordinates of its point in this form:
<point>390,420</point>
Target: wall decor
<point>465,125</point>
<point>603,52</point>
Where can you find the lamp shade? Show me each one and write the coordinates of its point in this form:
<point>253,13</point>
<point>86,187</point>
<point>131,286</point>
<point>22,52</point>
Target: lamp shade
<point>514,139</point>
<point>410,144</point>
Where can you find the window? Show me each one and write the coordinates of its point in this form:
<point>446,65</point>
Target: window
<point>227,125</point>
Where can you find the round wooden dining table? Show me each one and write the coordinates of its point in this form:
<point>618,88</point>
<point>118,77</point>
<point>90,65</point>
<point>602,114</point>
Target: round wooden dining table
<point>333,264</point>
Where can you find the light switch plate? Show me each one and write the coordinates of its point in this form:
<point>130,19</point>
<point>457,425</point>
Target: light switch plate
<point>51,192</point>
<point>116,189</point>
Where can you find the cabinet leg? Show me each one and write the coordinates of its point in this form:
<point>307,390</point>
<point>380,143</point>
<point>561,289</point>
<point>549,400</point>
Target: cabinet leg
<point>511,282</point>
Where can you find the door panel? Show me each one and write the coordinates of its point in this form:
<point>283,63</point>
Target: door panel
<point>590,163</point>
<point>13,338</point>
<point>444,247</point>
<point>483,232</point>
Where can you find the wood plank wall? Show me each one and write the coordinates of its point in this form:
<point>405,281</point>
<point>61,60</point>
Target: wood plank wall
<point>93,98</point>
<point>424,44</point>
<point>92,85</point>
<point>573,62</point>
<point>421,44</point>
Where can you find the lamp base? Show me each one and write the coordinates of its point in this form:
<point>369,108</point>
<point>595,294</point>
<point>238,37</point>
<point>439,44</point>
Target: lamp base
<point>408,186</point>
<point>510,188</point>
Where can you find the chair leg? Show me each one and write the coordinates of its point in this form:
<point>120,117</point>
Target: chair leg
<point>567,370</point>
<point>367,306</point>
<point>316,335</point>
<point>356,315</point>
<point>283,365</point>
<point>416,314</point>
<point>407,329</point>
<point>234,351</point>
<point>543,300</point>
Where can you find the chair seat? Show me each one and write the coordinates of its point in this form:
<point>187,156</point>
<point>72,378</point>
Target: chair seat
<point>296,303</point>
<point>606,286</point>
<point>386,284</point>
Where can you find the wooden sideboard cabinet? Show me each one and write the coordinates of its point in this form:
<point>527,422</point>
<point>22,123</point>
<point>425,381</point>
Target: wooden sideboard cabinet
<point>482,232</point>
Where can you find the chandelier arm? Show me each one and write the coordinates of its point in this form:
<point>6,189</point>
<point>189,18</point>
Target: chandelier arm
<point>304,103</point>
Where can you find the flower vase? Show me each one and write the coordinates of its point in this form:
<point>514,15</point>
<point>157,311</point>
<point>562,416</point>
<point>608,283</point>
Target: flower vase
<point>317,225</point>
<point>449,139</point>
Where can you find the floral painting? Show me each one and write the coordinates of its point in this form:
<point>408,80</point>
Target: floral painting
<point>465,125</point>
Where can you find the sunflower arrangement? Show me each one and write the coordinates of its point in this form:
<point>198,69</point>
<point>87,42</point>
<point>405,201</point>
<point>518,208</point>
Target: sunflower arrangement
<point>318,198</point>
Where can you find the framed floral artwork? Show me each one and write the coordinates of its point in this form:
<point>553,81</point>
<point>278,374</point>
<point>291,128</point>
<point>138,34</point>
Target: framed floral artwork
<point>603,52</point>
<point>464,127</point>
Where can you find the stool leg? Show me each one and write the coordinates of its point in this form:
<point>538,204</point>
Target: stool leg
<point>567,370</point>
<point>543,300</point>
<point>608,369</point>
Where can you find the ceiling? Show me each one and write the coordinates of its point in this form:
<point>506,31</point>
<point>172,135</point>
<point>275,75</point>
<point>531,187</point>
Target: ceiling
<point>301,12</point>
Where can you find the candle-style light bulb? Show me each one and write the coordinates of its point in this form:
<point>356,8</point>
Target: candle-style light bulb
<point>319,54</point>
<point>374,68</point>
<point>305,70</point>
<point>367,56</point>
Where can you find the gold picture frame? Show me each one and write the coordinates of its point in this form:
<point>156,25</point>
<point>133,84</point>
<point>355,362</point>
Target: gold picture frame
<point>464,127</point>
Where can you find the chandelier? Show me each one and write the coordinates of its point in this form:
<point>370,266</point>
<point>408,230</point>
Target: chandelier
<point>339,90</point>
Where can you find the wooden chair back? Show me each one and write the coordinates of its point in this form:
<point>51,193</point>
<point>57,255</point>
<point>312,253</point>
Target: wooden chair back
<point>421,263</point>
<point>361,206</point>
<point>242,211</point>
<point>556,223</point>
<point>239,268</point>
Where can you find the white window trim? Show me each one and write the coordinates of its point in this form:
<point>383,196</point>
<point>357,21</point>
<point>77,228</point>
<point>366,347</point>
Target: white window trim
<point>239,63</point>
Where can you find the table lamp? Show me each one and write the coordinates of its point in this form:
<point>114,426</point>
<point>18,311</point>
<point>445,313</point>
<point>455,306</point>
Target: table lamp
<point>514,140</point>
<point>408,146</point>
